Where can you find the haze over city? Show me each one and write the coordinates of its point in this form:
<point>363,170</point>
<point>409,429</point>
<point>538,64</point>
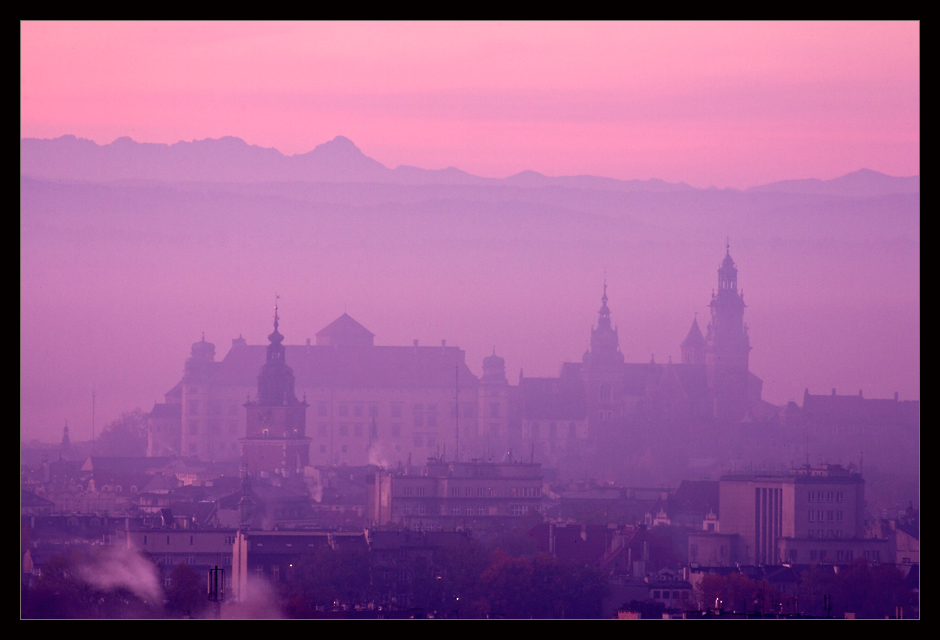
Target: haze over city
<point>469,319</point>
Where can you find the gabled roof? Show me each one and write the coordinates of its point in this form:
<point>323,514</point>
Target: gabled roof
<point>344,331</point>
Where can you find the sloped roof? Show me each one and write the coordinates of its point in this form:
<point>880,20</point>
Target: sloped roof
<point>696,497</point>
<point>162,411</point>
<point>320,366</point>
<point>694,337</point>
<point>344,331</point>
<point>553,398</point>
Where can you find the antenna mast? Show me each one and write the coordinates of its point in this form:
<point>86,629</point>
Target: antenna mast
<point>93,421</point>
<point>457,409</point>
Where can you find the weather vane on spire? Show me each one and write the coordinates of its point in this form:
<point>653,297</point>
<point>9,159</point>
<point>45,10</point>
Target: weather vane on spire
<point>276,297</point>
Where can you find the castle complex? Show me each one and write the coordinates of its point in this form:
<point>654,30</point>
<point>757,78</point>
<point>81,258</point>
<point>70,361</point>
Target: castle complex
<point>363,403</point>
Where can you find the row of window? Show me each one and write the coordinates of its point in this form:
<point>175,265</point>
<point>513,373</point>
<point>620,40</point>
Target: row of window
<point>825,516</point>
<point>665,595</point>
<point>346,409</point>
<point>457,510</point>
<point>552,431</point>
<point>825,496</point>
<point>192,447</point>
<point>192,539</point>
<point>214,408</point>
<point>825,533</point>
<point>214,426</point>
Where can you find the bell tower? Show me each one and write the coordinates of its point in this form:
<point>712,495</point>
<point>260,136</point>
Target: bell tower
<point>275,441</point>
<point>603,373</point>
<point>727,345</point>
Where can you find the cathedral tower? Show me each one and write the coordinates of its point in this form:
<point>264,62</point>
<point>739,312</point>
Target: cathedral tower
<point>275,439</point>
<point>727,346</point>
<point>603,372</point>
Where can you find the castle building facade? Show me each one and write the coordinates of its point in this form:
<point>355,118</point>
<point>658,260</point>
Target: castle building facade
<point>364,403</point>
<point>386,405</point>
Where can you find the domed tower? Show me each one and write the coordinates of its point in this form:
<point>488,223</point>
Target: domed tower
<point>727,345</point>
<point>603,372</point>
<point>275,441</point>
<point>494,403</point>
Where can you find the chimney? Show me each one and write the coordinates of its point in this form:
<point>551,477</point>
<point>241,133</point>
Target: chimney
<point>833,391</point>
<point>416,347</point>
<point>895,396</point>
<point>308,342</point>
<point>443,346</point>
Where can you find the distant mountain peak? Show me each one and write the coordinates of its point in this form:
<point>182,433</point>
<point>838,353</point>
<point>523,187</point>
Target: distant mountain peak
<point>339,145</point>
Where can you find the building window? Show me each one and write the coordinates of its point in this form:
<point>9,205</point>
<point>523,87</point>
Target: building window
<point>396,430</point>
<point>191,560</point>
<point>839,496</point>
<point>421,491</point>
<point>396,409</point>
<point>323,409</point>
<point>344,429</point>
<point>422,510</point>
<point>418,440</point>
<point>357,430</point>
<point>344,410</point>
<point>455,511</point>
<point>345,448</point>
<point>454,492</point>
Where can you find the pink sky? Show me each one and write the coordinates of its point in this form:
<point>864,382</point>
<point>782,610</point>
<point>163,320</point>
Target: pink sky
<point>730,104</point>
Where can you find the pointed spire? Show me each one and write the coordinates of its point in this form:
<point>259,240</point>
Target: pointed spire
<point>275,337</point>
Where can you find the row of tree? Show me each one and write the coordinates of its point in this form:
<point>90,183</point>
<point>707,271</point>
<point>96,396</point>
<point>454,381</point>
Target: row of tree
<point>461,580</point>
<point>868,591</point>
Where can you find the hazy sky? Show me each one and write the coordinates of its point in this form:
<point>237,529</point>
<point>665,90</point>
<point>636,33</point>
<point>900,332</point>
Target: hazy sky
<point>730,104</point>
<point>833,296</point>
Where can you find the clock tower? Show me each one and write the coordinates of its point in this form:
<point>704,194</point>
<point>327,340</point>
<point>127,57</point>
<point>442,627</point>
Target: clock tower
<point>275,441</point>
